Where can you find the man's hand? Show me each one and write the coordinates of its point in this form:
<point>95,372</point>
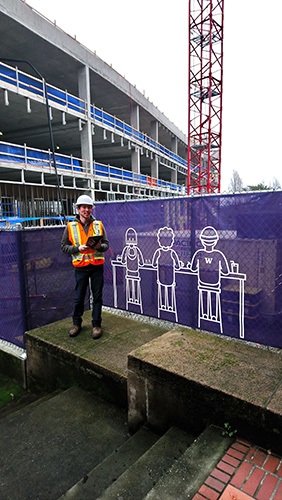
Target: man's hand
<point>83,248</point>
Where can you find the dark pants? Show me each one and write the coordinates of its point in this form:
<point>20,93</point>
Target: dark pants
<point>82,276</point>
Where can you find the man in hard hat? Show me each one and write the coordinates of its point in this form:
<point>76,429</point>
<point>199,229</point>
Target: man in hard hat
<point>85,239</point>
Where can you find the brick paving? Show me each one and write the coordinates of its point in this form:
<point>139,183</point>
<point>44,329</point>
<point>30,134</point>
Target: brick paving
<point>245,472</point>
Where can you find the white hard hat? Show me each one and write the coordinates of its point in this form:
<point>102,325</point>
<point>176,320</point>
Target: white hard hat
<point>84,199</point>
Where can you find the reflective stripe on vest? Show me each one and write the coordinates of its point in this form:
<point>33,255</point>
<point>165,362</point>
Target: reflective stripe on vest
<point>78,237</point>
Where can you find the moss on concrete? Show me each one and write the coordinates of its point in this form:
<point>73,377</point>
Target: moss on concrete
<point>120,336</point>
<point>9,391</point>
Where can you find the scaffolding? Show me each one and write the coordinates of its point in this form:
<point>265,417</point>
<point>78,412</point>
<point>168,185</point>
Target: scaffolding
<point>205,95</point>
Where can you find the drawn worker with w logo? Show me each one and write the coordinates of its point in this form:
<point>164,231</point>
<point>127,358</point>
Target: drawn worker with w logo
<point>210,264</point>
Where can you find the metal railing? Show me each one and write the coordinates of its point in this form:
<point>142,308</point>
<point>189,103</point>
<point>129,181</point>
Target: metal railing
<point>16,80</point>
<point>39,157</point>
<point>125,176</point>
<point>14,153</point>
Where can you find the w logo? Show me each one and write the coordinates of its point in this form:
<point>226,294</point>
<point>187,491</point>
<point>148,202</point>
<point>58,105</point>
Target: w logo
<point>208,260</point>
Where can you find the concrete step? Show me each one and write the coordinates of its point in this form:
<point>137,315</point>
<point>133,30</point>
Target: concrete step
<point>48,447</point>
<point>138,479</point>
<point>27,401</point>
<point>102,476</point>
<point>186,476</point>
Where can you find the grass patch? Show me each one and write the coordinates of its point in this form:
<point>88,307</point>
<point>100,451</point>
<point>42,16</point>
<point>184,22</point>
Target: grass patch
<point>178,342</point>
<point>9,391</point>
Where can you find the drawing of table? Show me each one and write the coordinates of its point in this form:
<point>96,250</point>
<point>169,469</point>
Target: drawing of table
<point>240,277</point>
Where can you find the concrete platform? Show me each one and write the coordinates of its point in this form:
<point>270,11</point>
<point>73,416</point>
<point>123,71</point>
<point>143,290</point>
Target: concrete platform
<point>179,377</point>
<point>54,360</point>
<point>188,378</point>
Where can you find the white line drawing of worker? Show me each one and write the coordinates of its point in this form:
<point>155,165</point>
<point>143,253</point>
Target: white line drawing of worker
<point>166,261</point>
<point>210,265</point>
<point>132,259</point>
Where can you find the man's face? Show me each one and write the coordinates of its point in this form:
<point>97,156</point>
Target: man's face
<point>85,211</point>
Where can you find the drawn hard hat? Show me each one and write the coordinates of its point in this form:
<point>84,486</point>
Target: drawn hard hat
<point>209,235</point>
<point>131,236</point>
<point>84,199</point>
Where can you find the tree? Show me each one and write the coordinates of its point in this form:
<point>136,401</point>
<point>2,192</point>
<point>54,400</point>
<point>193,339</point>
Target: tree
<point>276,184</point>
<point>258,187</point>
<point>236,183</point>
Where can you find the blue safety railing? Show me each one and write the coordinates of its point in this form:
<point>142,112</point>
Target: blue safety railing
<point>34,87</point>
<point>31,156</point>
<point>121,175</point>
<point>103,118</point>
<point>44,159</point>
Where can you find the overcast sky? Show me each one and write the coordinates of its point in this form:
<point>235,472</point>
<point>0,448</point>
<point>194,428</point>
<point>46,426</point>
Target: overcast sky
<point>147,42</point>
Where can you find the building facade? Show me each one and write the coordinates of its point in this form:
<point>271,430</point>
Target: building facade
<point>71,124</point>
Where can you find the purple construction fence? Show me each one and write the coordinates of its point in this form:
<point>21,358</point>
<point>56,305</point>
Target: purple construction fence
<point>36,281</point>
<point>212,263</point>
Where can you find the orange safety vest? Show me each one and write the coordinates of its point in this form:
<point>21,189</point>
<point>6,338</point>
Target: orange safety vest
<point>78,237</point>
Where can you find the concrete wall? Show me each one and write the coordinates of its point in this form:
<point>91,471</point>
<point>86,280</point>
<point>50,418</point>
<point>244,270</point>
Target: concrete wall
<point>51,367</point>
<point>13,363</point>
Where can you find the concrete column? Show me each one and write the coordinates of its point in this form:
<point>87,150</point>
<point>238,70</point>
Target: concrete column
<point>135,151</point>
<point>174,149</point>
<point>155,159</point>
<point>86,143</point>
<point>135,121</point>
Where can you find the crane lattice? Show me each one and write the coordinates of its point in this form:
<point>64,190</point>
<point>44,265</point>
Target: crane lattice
<point>205,95</point>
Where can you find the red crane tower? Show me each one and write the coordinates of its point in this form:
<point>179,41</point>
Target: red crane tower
<point>205,95</point>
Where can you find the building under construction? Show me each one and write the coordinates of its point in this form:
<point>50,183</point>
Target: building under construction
<point>72,124</point>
